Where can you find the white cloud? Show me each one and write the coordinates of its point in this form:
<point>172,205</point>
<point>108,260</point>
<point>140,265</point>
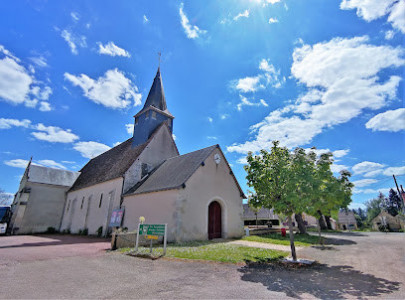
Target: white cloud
<point>212,138</point>
<point>224,116</point>
<point>266,2</point>
<point>174,136</point>
<point>145,19</point>
<point>394,171</point>
<point>53,134</point>
<point>389,34</point>
<point>130,128</point>
<point>364,182</point>
<point>269,76</point>
<point>17,163</point>
<point>371,191</point>
<point>90,149</point>
<point>336,168</point>
<point>112,90</point>
<point>339,75</point>
<point>40,61</point>
<point>367,167</point>
<point>371,10</point>
<point>50,163</point>
<point>17,85</point>
<point>75,16</point>
<point>210,119</point>
<point>45,106</point>
<point>73,40</point>
<point>242,160</point>
<point>391,120</point>
<point>340,153</point>
<point>246,102</point>
<point>273,20</point>
<point>8,123</point>
<point>113,50</point>
<point>192,31</point>
<point>244,14</point>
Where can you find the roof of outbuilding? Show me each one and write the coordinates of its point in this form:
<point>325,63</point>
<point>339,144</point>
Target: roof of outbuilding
<point>263,213</point>
<point>173,172</point>
<point>111,164</point>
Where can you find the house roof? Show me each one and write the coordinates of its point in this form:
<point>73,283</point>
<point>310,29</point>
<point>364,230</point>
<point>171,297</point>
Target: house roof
<point>46,175</point>
<point>111,164</point>
<point>263,213</point>
<point>172,173</point>
<point>156,97</point>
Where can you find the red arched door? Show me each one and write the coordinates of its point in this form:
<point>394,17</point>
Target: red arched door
<point>214,221</point>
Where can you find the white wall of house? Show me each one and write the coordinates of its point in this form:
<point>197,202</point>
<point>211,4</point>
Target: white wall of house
<point>92,214</point>
<point>210,182</point>
<point>157,208</point>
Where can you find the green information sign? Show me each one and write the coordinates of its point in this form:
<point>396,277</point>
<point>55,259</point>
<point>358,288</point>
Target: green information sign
<point>152,229</point>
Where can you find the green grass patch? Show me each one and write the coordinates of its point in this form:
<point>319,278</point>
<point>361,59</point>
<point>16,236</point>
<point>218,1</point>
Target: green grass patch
<point>216,251</point>
<point>276,238</point>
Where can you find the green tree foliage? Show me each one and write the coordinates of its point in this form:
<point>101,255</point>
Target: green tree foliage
<point>374,207</point>
<point>393,203</point>
<point>296,182</point>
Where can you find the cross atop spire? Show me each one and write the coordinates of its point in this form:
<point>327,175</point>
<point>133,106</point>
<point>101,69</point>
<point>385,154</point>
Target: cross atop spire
<point>160,55</point>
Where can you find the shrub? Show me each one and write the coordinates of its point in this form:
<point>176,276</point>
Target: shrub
<point>85,231</point>
<point>51,230</point>
<point>100,231</point>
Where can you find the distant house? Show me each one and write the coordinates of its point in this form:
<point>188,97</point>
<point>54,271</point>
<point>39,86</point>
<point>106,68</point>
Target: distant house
<point>40,199</point>
<point>264,216</point>
<point>346,220</point>
<point>385,219</point>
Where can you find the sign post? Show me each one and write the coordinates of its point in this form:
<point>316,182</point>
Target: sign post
<point>152,232</point>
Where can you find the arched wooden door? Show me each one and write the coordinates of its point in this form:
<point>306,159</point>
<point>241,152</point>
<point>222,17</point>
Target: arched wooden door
<point>214,221</point>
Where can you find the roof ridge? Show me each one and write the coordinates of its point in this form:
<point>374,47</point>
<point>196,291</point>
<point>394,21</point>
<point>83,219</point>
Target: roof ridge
<point>216,146</point>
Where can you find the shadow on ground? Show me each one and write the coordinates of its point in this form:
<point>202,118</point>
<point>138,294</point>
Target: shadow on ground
<point>335,241</point>
<point>55,240</point>
<point>321,281</point>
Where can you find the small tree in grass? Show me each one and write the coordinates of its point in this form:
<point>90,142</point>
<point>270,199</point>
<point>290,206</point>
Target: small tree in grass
<point>278,178</point>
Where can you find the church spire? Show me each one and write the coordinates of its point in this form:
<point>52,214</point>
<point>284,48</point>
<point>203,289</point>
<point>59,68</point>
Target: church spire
<point>153,113</point>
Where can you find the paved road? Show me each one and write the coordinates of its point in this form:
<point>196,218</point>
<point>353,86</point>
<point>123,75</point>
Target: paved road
<point>365,266</point>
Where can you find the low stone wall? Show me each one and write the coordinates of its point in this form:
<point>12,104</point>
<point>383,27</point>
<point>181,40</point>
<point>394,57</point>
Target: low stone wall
<point>124,239</point>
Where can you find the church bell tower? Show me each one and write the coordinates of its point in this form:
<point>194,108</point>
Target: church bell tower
<point>153,113</point>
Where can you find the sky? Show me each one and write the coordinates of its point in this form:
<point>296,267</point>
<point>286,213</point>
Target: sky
<point>240,73</point>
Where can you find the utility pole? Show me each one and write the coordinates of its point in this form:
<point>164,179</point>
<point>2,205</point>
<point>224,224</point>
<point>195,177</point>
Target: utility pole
<point>399,193</point>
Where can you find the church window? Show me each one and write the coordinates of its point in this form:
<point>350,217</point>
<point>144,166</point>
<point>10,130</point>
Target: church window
<point>136,120</point>
<point>101,200</point>
<point>144,170</point>
<point>81,206</point>
<point>153,115</point>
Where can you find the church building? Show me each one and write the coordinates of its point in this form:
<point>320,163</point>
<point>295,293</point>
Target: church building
<point>196,194</point>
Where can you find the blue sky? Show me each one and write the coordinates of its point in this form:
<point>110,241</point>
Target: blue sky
<point>241,73</point>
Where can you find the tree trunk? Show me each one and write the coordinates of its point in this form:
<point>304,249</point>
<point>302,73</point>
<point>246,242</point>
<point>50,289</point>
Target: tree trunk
<point>328,223</point>
<point>290,227</point>
<point>321,221</point>
<point>256,221</point>
<point>301,224</point>
<point>319,233</point>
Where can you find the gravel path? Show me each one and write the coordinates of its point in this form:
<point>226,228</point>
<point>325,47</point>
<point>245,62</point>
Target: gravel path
<point>264,245</point>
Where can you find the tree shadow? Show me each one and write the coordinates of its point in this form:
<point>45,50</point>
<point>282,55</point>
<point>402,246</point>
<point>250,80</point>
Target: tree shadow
<point>320,280</point>
<point>335,241</point>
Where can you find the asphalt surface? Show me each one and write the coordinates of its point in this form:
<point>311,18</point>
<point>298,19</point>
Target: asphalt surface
<point>350,266</point>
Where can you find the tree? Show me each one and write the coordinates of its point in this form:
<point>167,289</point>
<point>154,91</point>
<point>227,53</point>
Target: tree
<point>5,198</point>
<point>278,178</point>
<point>374,207</point>
<point>393,203</point>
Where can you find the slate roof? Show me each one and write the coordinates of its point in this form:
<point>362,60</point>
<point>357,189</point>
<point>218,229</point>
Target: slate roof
<point>109,165</point>
<point>156,97</point>
<point>46,175</point>
<point>172,173</point>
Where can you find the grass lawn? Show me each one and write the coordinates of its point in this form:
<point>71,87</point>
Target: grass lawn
<point>278,239</point>
<point>216,251</point>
